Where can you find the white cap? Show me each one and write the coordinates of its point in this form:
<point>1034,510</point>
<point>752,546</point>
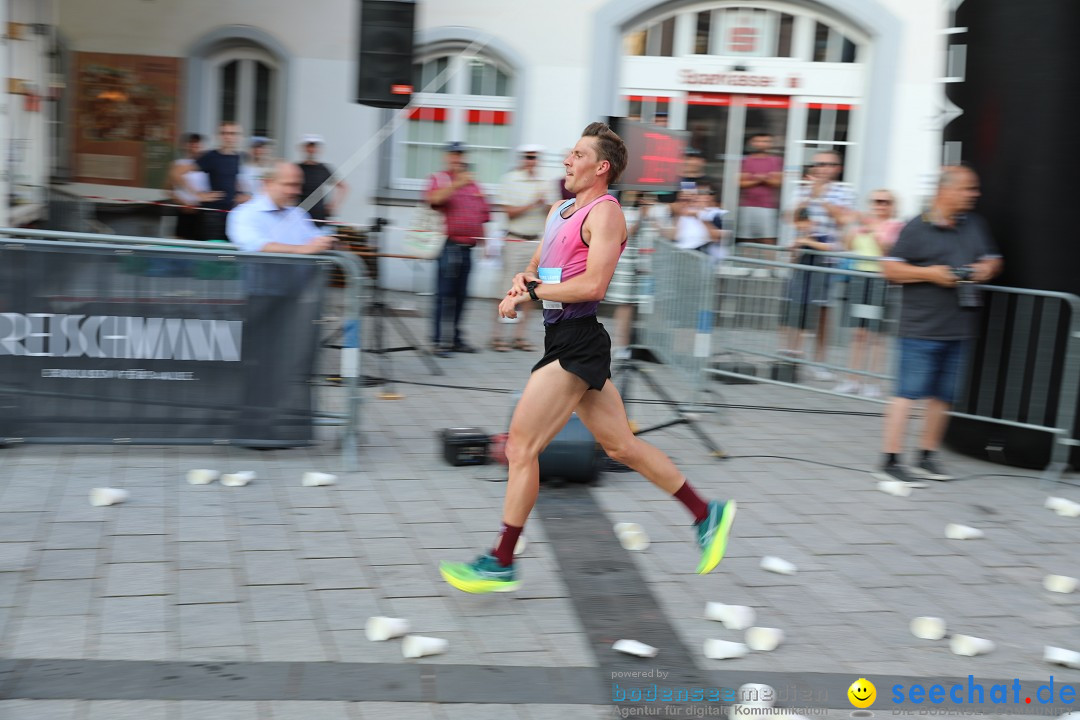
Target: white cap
<point>311,138</point>
<point>523,149</point>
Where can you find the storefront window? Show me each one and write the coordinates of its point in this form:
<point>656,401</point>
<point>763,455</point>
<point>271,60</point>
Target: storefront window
<point>458,98</point>
<point>701,39</point>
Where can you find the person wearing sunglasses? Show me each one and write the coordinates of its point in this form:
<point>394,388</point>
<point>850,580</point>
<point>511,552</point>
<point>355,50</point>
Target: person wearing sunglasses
<point>828,206</point>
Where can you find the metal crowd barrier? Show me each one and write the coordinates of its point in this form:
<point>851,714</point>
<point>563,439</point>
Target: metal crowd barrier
<point>117,282</point>
<point>782,321</point>
<point>67,212</point>
<point>677,315</point>
<point>1025,367</point>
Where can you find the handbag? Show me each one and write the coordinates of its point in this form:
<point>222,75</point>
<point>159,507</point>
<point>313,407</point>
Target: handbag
<point>426,235</point>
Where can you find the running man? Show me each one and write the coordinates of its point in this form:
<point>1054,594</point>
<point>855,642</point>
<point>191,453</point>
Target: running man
<point>569,274</point>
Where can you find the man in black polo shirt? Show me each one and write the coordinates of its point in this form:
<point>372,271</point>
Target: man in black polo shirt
<point>937,258</point>
<point>315,175</point>
<point>222,167</point>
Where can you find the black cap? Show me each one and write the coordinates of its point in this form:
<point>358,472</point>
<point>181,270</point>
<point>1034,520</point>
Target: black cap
<point>455,147</point>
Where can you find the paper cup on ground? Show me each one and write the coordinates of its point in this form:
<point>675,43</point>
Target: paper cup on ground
<point>108,496</point>
<point>724,649</point>
<point>414,646</point>
<point>379,628</point>
<point>953,531</point>
<point>1053,503</point>
<point>1068,509</point>
<point>634,540</point>
<point>237,479</point>
<point>633,647</point>
<point>1060,583</point>
<point>968,646</point>
<point>894,487</point>
<point>928,628</point>
<point>1061,656</point>
<point>520,545</point>
<point>777,565</point>
<point>202,476</point>
<point>734,617</point>
<point>764,639</point>
<point>317,479</point>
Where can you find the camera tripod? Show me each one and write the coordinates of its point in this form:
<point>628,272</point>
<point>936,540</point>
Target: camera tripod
<point>630,365</point>
<point>382,314</point>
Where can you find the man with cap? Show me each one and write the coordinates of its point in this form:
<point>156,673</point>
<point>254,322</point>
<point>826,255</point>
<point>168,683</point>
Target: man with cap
<point>525,197</point>
<point>456,195</point>
<point>315,175</point>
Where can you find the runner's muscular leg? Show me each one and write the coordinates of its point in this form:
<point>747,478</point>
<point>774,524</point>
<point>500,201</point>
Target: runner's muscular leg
<point>550,397</point>
<point>605,416</point>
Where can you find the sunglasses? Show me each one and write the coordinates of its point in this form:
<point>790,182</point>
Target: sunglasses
<point>530,157</point>
<point>826,164</point>
<point>881,201</point>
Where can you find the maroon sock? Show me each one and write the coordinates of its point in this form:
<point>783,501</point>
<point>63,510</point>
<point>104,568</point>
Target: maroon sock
<point>693,502</point>
<point>505,543</point>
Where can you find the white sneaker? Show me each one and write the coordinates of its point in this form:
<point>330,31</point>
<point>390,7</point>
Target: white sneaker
<point>870,391</point>
<point>848,387</point>
<point>822,374</point>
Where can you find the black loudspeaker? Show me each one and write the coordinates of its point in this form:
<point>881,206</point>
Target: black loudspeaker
<point>572,455</point>
<point>384,72</point>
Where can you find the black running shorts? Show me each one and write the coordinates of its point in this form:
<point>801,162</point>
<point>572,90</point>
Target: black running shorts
<point>582,346</point>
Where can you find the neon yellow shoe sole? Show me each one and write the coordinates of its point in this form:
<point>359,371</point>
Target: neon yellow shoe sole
<point>716,535</point>
<point>467,578</point>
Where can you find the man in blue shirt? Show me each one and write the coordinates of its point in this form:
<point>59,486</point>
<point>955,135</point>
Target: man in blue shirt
<point>271,222</point>
<point>283,299</point>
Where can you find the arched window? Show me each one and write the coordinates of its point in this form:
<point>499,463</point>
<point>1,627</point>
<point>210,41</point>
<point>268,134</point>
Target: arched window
<point>735,30</point>
<point>470,98</point>
<point>238,73</point>
<point>244,88</point>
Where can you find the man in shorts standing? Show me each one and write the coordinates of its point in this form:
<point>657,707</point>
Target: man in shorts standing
<point>569,275</point>
<point>938,257</point>
<point>760,178</point>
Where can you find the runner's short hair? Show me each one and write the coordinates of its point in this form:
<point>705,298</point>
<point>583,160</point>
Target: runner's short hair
<point>610,147</point>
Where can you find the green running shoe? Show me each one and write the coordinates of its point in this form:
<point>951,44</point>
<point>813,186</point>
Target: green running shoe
<point>483,575</point>
<point>712,534</point>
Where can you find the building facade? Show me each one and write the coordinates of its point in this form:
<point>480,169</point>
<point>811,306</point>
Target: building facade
<point>863,77</point>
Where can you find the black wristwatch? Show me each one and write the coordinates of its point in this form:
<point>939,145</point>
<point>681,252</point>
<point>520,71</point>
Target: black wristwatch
<point>531,287</point>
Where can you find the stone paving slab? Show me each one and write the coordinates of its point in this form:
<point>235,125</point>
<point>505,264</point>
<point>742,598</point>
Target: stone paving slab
<point>279,572</point>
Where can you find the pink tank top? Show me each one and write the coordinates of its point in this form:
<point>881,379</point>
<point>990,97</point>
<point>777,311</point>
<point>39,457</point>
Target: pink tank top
<point>563,255</point>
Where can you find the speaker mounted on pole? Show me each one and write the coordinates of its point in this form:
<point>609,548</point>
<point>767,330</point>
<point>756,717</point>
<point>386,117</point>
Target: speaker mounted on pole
<point>384,70</point>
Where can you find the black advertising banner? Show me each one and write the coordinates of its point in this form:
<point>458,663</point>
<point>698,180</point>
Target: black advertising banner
<point>145,346</point>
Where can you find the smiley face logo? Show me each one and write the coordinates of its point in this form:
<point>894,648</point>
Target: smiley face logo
<point>862,693</point>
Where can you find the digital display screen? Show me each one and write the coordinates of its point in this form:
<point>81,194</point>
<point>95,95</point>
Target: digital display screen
<point>654,155</point>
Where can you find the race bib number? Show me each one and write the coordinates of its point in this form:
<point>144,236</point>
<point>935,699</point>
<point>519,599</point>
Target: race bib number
<point>550,276</point>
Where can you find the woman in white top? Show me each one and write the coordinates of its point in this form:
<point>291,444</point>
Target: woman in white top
<point>189,187</point>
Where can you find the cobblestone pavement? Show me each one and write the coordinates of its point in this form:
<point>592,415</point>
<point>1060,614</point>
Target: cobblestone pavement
<point>277,573</point>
